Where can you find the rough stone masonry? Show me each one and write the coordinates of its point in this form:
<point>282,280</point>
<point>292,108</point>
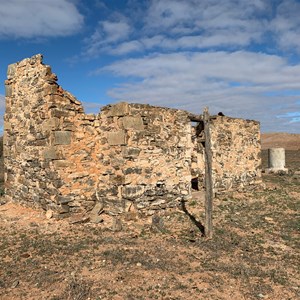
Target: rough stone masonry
<point>129,156</point>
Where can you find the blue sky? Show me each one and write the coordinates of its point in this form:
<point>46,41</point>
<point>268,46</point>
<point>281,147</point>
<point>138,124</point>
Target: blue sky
<point>240,57</point>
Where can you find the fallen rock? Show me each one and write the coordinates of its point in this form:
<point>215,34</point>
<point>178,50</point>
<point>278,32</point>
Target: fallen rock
<point>98,209</point>
<point>96,219</point>
<point>79,219</point>
<point>15,284</point>
<point>117,225</point>
<point>49,214</point>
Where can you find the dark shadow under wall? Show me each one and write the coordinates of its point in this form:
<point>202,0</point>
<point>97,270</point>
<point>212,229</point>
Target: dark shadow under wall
<point>198,224</point>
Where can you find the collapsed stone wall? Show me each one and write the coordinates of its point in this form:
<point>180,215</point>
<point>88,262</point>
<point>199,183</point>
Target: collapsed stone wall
<point>58,157</point>
<point>129,156</point>
<point>36,116</point>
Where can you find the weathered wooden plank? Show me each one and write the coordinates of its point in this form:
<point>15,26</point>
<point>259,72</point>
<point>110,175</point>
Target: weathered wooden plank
<point>208,176</point>
<point>195,118</point>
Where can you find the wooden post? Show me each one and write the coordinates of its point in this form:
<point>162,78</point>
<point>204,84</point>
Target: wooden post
<point>208,228</point>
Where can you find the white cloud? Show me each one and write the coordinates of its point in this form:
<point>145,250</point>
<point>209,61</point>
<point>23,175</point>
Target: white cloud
<point>238,83</point>
<point>176,24</point>
<point>192,53</point>
<point>286,25</point>
<point>38,18</point>
<point>115,31</point>
<point>203,15</point>
<point>128,47</point>
<point>107,35</point>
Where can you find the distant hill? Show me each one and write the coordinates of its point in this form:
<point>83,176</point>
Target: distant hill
<point>289,141</point>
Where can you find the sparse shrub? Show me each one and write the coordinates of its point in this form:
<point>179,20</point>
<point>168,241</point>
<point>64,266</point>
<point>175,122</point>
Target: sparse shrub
<point>76,289</point>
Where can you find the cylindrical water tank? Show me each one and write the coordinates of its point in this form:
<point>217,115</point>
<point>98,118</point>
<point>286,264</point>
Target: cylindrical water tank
<point>276,159</point>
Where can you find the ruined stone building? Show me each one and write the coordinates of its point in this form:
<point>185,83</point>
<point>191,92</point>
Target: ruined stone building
<point>129,155</point>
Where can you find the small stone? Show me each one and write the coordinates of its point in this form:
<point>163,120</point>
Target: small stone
<point>79,219</point>
<point>117,225</point>
<point>2,201</point>
<point>138,264</point>
<point>49,214</point>
<point>15,284</point>
<point>158,223</point>
<point>64,208</point>
<point>97,209</point>
<point>260,296</point>
<point>96,219</point>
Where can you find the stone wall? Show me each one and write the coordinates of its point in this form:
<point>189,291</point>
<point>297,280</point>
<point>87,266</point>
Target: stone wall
<point>58,157</point>
<point>129,156</point>
<point>236,153</point>
<point>35,132</point>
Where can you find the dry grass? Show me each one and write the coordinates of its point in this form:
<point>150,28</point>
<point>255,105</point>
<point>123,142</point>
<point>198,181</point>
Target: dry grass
<point>254,253</point>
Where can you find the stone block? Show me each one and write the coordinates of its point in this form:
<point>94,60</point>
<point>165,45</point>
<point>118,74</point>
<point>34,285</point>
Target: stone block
<point>132,171</point>
<point>51,124</point>
<point>50,153</point>
<point>11,70</point>
<point>64,208</point>
<point>130,122</point>
<point>63,199</point>
<point>7,125</point>
<point>60,113</point>
<point>50,89</point>
<point>117,179</point>
<point>130,152</point>
<point>97,209</point>
<point>62,137</point>
<point>158,202</point>
<point>78,175</point>
<point>8,90</point>
<point>119,110</point>
<point>116,138</point>
<point>62,163</point>
<point>132,191</point>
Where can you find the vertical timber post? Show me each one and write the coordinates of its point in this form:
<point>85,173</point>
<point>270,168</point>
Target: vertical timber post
<point>208,176</point>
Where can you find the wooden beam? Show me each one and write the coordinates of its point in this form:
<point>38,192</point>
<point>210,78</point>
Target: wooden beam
<point>208,228</point>
<point>195,118</point>
<point>199,118</point>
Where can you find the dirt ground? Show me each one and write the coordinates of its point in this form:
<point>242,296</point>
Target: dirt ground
<point>289,141</point>
<point>254,253</point>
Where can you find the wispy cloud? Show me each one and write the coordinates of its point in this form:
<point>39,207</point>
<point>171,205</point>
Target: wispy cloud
<point>192,24</point>
<point>286,25</point>
<point>174,24</point>
<point>292,117</point>
<point>38,18</point>
<point>236,83</point>
<point>107,35</point>
<point>234,56</point>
